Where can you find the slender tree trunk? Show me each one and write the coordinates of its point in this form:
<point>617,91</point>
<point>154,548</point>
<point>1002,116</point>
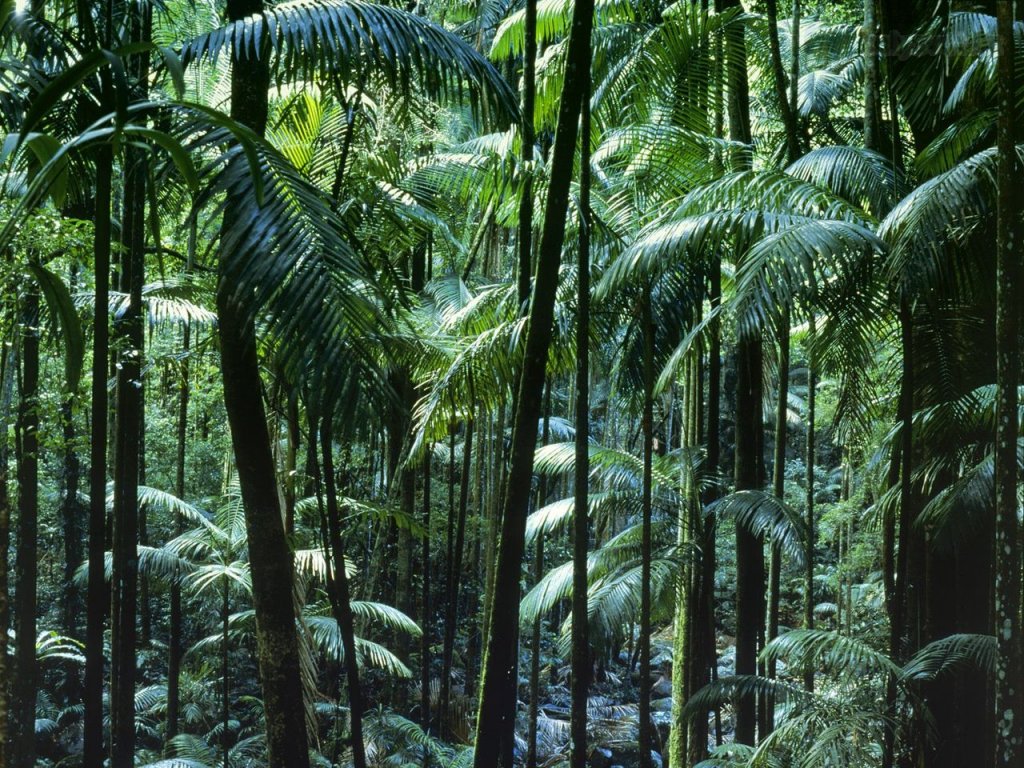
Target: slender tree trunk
<point>705,654</point>
<point>7,362</point>
<point>496,721</point>
<point>794,72</point>
<point>749,462</point>
<point>129,429</point>
<point>682,658</point>
<point>779,489</point>
<point>427,615</point>
<point>812,385</point>
<point>341,601</point>
<point>225,706</point>
<point>175,647</point>
<point>581,665</point>
<point>538,574</point>
<point>1009,704</point>
<point>445,704</point>
<point>71,520</point>
<point>23,689</point>
<point>749,547</point>
<point>97,604</point>
<point>646,741</point>
<point>454,582</point>
<point>781,92</point>
<point>269,553</point>
<point>872,79</point>
<point>528,139</point>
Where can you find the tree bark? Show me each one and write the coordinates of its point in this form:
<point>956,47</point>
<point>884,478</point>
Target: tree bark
<point>7,362</point>
<point>24,685</point>
<point>427,616</point>
<point>581,664</point>
<point>812,385</point>
<point>454,581</point>
<point>872,79</point>
<point>128,434</point>
<point>646,740</point>
<point>789,121</point>
<point>496,721</point>
<point>1009,703</point>
<point>341,599</point>
<point>538,574</point>
<point>175,648</point>
<point>269,553</point>
<point>779,489</point>
<point>97,604</point>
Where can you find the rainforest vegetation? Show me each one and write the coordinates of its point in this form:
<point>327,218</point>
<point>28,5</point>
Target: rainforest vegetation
<point>506,383</point>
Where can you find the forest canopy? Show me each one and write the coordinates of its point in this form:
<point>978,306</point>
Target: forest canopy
<point>512,383</point>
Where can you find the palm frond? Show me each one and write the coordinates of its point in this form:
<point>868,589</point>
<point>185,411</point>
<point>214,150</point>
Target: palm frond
<point>348,39</point>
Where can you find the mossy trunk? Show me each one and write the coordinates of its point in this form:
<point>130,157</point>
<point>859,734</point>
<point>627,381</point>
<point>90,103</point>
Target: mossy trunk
<point>270,555</point>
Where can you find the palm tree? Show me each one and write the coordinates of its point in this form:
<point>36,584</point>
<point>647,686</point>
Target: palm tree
<point>1009,746</point>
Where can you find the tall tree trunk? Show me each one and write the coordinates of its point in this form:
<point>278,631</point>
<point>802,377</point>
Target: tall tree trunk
<point>97,604</point>
<point>872,79</point>
<point>779,489</point>
<point>496,721</point>
<point>175,648</point>
<point>7,362</point>
<point>454,582</point>
<point>528,139</point>
<point>538,574</point>
<point>427,615</point>
<point>340,597</point>
<point>581,665</point>
<point>749,470</point>
<point>71,516</point>
<point>812,386</point>
<point>225,704</point>
<point>794,70</point>
<point>129,427</point>
<point>684,676</point>
<point>269,553</point>
<point>705,651</point>
<point>789,121</point>
<point>646,741</point>
<point>1009,704</point>
<point>23,689</point>
<point>749,547</point>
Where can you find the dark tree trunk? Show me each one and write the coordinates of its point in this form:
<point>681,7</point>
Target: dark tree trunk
<point>496,720</point>
<point>750,582</point>
<point>129,428</point>
<point>779,489</point>
<point>581,665</point>
<point>427,616</point>
<point>789,120</point>
<point>872,80</point>
<point>97,604</point>
<point>340,598</point>
<point>1009,704</point>
<point>705,652</point>
<point>812,385</point>
<point>525,244</point>
<point>453,586</point>
<point>71,521</point>
<point>175,648</point>
<point>7,363</point>
<point>646,741</point>
<point>270,556</point>
<point>538,574</point>
<point>23,688</point>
